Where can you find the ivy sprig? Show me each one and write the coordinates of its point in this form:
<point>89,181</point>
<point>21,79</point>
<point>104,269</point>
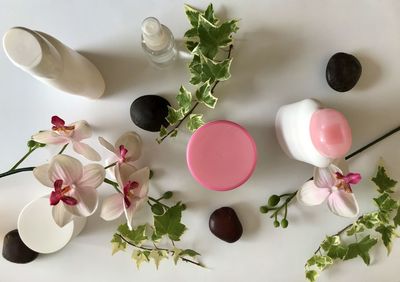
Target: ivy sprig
<point>207,39</point>
<point>363,234</point>
<point>145,239</point>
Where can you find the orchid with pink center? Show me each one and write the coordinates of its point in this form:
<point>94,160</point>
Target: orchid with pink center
<point>62,134</point>
<point>134,186</point>
<point>330,183</point>
<point>74,187</point>
<point>127,149</point>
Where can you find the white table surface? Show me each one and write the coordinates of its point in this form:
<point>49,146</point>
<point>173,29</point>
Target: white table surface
<point>280,56</point>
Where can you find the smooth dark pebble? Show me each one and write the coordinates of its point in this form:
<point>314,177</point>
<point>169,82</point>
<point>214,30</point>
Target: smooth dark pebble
<point>225,224</point>
<point>149,112</point>
<point>15,250</point>
<point>343,72</point>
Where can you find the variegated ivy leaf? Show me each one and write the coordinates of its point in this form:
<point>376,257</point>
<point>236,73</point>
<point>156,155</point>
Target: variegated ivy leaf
<point>386,203</point>
<point>174,133</point>
<point>321,262</point>
<point>194,122</point>
<point>383,181</point>
<point>361,249</point>
<point>329,242</point>
<point>170,223</point>
<point>213,71</point>
<point>213,37</point>
<point>396,219</point>
<point>163,131</point>
<point>191,45</point>
<point>157,256</point>
<point>174,115</point>
<point>370,220</point>
<point>312,275</point>
<point>203,95</point>
<point>387,232</point>
<point>184,99</point>
<point>193,16</point>
<point>196,70</point>
<point>355,228</point>
<point>190,253</point>
<point>137,236</point>
<point>177,253</point>
<point>117,244</point>
<point>140,256</point>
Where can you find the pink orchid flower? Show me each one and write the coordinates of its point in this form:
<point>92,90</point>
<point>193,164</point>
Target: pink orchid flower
<point>134,186</point>
<point>330,183</point>
<point>74,187</point>
<point>127,149</point>
<point>62,134</point>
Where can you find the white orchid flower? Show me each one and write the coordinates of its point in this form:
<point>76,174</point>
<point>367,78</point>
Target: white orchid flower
<point>74,187</point>
<point>74,133</point>
<point>330,183</point>
<point>126,150</point>
<point>134,186</point>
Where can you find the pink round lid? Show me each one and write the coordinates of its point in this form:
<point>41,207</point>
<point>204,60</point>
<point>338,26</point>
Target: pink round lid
<point>221,155</point>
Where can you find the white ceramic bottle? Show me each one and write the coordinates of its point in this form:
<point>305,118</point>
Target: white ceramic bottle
<point>158,42</point>
<point>53,63</point>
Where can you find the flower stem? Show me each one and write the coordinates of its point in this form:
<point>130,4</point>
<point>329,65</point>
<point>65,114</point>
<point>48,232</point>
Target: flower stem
<point>195,104</point>
<point>290,196</point>
<point>158,202</point>
<point>113,184</point>
<point>17,170</point>
<point>63,149</point>
<point>30,151</point>
<point>110,165</point>
<point>144,248</point>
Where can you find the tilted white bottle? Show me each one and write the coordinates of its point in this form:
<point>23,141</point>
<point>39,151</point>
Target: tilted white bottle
<point>158,42</point>
<point>53,63</point>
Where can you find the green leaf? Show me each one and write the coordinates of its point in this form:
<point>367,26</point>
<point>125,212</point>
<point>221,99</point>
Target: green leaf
<point>361,249</point>
<point>163,131</point>
<point>184,99</point>
<point>203,95</point>
<point>194,122</point>
<point>337,252</point>
<point>387,232</point>
<point>174,133</point>
<point>170,223</point>
<point>189,252</point>
<point>386,203</point>
<point>191,45</point>
<point>383,181</point>
<point>396,219</point>
<point>117,244</point>
<point>213,71</point>
<point>196,70</point>
<point>213,37</point>
<point>192,15</point>
<point>136,236</point>
<point>320,261</point>
<point>174,115</point>
<point>329,242</point>
<point>311,275</point>
<point>191,33</point>
<point>355,228</point>
<point>157,209</point>
<point>209,14</point>
<point>157,256</point>
<point>370,220</point>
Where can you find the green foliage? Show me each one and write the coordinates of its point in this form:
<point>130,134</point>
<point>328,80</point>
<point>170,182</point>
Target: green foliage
<point>278,211</point>
<point>384,182</point>
<point>365,231</point>
<point>207,39</point>
<point>145,238</point>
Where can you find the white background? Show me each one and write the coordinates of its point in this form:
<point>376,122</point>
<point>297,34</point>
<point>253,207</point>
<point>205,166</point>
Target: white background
<point>280,56</point>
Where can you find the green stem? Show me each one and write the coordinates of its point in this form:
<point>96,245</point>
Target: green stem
<point>158,202</point>
<point>110,165</point>
<point>144,248</point>
<point>18,170</point>
<point>113,184</point>
<point>284,205</point>
<point>23,158</point>
<point>195,105</point>
<point>63,149</point>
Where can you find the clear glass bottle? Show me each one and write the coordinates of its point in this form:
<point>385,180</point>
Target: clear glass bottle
<point>158,42</point>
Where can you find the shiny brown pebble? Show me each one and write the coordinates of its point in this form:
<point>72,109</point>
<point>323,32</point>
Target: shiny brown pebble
<point>225,224</point>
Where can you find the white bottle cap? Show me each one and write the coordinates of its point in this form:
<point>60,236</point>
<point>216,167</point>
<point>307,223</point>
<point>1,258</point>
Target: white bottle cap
<point>154,35</point>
